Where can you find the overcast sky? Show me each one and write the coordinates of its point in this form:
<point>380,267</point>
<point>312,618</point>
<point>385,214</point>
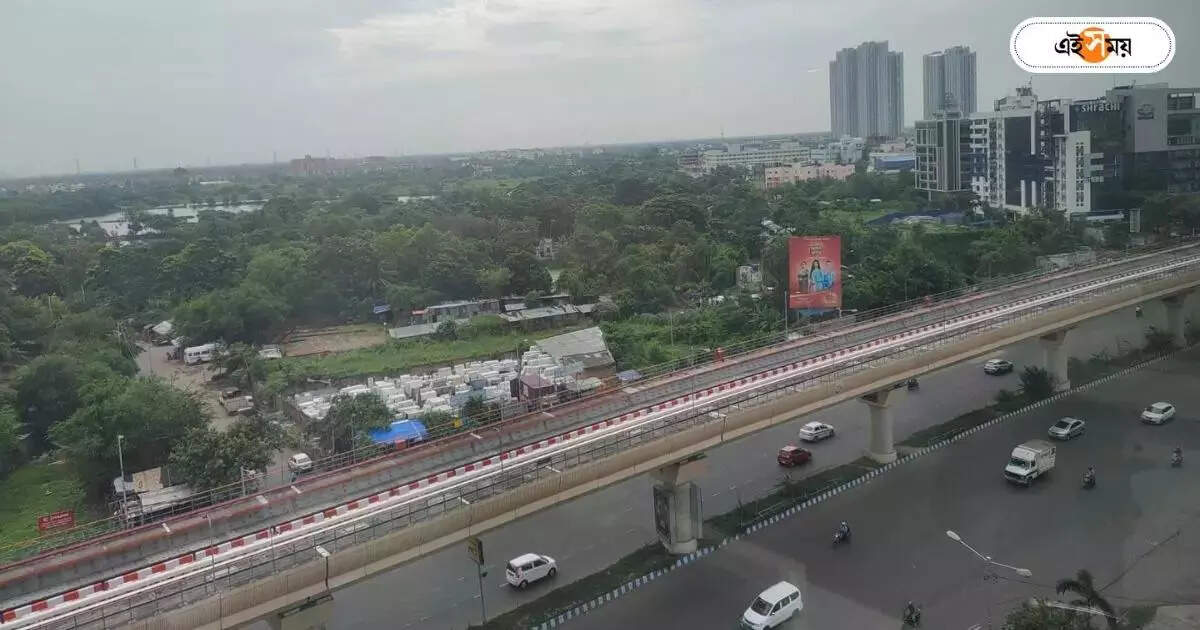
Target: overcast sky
<point>172,82</point>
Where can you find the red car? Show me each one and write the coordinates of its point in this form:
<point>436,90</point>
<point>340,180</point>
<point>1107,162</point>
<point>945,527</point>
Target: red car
<point>792,455</point>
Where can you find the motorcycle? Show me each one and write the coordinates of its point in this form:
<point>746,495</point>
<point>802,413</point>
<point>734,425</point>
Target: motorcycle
<point>841,536</point>
<point>913,618</point>
<point>913,384</point>
<point>1176,460</point>
<point>1089,482</point>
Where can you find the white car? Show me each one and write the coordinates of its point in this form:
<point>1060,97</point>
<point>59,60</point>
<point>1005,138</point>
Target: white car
<point>772,607</point>
<point>815,432</point>
<point>1158,413</point>
<point>997,366</point>
<point>300,462</point>
<point>529,568</point>
<point>1066,428</point>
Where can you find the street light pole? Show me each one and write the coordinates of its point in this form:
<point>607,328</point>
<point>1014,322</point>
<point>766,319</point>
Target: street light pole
<point>121,463</point>
<point>1026,573</point>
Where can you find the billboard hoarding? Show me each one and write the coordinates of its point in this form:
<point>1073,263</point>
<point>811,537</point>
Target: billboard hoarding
<point>57,520</point>
<point>815,272</point>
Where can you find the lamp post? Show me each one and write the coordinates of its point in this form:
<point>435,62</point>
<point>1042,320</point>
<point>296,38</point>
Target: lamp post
<point>121,463</point>
<point>1025,573</point>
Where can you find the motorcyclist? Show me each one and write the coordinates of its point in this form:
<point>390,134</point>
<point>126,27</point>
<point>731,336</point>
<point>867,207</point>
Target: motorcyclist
<point>843,530</point>
<point>1089,478</point>
<point>910,613</point>
<point>1177,455</point>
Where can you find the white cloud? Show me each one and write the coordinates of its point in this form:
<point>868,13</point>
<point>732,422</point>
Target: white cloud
<point>488,35</point>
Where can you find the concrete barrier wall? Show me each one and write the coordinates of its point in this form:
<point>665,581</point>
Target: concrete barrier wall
<point>256,600</point>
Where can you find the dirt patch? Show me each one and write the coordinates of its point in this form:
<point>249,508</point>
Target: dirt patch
<point>152,361</point>
<point>309,341</point>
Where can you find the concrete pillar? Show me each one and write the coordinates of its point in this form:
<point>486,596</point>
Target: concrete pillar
<point>881,445</point>
<point>1176,322</point>
<point>678,513</point>
<point>1055,355</point>
<point>314,614</point>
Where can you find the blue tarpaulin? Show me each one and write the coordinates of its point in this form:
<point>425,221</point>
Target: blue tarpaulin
<point>400,430</point>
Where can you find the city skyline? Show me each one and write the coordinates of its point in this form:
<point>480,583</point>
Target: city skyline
<point>201,84</point>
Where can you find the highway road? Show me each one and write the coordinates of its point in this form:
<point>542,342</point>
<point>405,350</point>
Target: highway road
<point>156,548</point>
<point>1123,531</point>
<point>440,590</point>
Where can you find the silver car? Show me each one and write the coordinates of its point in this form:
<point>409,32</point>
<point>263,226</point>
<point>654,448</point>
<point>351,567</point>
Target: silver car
<point>1067,428</point>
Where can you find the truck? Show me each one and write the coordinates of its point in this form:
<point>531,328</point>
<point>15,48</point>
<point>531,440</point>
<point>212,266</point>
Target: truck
<point>1030,461</point>
<point>237,403</point>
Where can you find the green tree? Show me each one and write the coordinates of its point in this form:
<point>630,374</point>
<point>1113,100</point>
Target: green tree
<point>151,414</point>
<point>29,267</point>
<point>248,313</point>
<point>494,281</point>
<point>208,459</point>
<point>528,273</point>
<point>47,392</point>
<point>201,266</point>
<point>349,419</point>
<point>1086,594</point>
<point>1037,384</point>
<point>241,364</point>
<point>447,330</point>
<point>10,439</point>
<point>666,210</point>
<point>285,271</point>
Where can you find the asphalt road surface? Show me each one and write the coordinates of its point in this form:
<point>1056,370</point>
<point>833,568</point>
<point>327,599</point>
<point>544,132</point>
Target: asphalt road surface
<point>588,534</point>
<point>1136,531</point>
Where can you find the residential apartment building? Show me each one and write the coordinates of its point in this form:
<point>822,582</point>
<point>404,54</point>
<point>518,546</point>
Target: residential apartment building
<point>775,176</point>
<point>949,81</point>
<point>866,91</point>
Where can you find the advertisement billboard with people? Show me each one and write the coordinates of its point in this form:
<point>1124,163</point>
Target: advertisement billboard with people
<point>815,272</point>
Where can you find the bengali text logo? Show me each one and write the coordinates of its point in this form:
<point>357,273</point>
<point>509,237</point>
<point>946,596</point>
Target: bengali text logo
<point>1092,45</point>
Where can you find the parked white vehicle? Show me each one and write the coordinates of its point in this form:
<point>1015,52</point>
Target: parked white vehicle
<point>772,607</point>
<point>300,462</point>
<point>529,568</point>
<point>199,354</point>
<point>1158,413</point>
<point>815,432</point>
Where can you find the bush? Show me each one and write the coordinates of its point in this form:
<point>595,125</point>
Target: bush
<point>1037,384</point>
<point>1159,341</point>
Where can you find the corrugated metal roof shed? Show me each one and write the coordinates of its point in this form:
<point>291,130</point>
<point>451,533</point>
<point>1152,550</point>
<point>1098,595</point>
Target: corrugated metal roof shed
<point>585,346</point>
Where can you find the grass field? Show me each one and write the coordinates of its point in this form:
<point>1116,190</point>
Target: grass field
<point>35,490</point>
<point>397,357</point>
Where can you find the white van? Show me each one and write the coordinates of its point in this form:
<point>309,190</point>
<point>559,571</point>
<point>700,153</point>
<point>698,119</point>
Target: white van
<point>772,607</point>
<point>199,354</point>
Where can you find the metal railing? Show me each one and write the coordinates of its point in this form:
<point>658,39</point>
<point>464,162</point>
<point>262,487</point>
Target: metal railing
<point>655,382</point>
<point>293,552</point>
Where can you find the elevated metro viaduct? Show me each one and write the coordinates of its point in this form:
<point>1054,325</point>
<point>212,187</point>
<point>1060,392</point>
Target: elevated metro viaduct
<point>309,582</point>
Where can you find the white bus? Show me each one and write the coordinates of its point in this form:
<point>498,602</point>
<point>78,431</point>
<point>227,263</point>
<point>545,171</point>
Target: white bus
<point>199,354</point>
